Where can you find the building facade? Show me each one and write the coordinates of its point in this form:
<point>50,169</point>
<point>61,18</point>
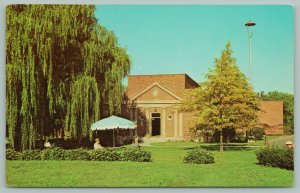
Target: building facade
<point>152,102</point>
<point>271,117</point>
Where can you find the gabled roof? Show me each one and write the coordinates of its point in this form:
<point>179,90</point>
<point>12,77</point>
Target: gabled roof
<point>175,83</point>
<point>158,85</point>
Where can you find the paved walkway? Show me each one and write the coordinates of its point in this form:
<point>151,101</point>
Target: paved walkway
<point>148,141</point>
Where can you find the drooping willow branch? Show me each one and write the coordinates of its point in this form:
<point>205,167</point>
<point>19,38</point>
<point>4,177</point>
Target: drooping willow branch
<point>52,50</point>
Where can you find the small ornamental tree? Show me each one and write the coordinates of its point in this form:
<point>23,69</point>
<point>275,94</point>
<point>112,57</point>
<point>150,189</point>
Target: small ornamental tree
<point>225,100</point>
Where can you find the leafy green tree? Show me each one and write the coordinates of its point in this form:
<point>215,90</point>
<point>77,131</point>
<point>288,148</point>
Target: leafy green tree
<point>225,100</point>
<point>288,107</point>
<point>61,65</point>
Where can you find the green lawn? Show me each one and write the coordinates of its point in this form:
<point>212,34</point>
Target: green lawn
<point>232,169</point>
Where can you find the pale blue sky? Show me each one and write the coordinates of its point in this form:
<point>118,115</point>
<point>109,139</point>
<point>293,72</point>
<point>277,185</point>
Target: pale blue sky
<point>169,39</point>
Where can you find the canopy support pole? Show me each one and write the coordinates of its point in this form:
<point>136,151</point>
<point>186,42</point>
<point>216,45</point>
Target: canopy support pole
<point>113,138</point>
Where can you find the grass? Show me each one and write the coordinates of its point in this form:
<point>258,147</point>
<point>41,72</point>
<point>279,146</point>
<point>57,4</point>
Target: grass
<point>232,169</point>
<point>280,140</point>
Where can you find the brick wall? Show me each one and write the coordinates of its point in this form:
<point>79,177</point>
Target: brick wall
<point>173,82</point>
<point>271,117</point>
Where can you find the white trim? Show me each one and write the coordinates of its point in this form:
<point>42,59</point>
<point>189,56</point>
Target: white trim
<point>156,84</point>
<point>148,126</point>
<point>170,117</point>
<point>153,105</point>
<point>180,125</point>
<point>175,123</point>
<point>156,102</point>
<point>163,122</point>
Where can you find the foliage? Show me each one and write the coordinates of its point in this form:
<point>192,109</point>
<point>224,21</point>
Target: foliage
<point>276,157</point>
<point>167,169</point>
<point>85,96</point>
<point>31,155</point>
<point>55,153</point>
<point>104,155</point>
<point>199,156</point>
<point>288,107</point>
<point>12,154</point>
<point>77,154</point>
<point>241,136</point>
<point>224,100</point>
<point>134,154</point>
<point>257,133</point>
<point>57,57</point>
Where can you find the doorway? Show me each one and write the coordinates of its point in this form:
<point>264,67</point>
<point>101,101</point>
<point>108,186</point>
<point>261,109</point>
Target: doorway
<point>155,123</point>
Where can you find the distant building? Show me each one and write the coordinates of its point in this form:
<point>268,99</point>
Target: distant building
<point>271,117</point>
<point>153,100</point>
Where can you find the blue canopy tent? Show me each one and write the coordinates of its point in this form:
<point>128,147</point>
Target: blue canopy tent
<point>112,123</point>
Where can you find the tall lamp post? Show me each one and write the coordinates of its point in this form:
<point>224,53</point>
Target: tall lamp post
<point>248,25</point>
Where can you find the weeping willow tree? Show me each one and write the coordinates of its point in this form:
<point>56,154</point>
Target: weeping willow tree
<point>61,65</point>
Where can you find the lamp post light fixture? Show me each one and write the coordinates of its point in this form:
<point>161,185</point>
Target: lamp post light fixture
<point>248,25</point>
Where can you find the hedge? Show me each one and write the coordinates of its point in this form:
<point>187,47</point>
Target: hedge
<point>13,155</point>
<point>57,153</point>
<point>276,157</point>
<point>133,154</point>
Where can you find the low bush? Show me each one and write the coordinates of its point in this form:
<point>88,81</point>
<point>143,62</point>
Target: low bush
<point>276,157</point>
<point>104,155</point>
<point>258,133</point>
<point>31,155</point>
<point>134,154</point>
<point>57,153</point>
<point>11,154</point>
<point>77,154</point>
<point>199,156</point>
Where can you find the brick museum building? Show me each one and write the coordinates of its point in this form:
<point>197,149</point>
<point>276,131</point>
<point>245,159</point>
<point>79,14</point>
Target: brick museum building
<point>152,102</point>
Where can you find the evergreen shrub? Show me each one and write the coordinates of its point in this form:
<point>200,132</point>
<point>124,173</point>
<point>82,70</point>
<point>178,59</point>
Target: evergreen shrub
<point>199,156</point>
<point>135,154</point>
<point>57,153</point>
<point>276,157</point>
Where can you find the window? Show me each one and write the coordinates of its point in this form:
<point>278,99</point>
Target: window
<point>157,115</point>
<point>142,118</point>
<point>170,117</point>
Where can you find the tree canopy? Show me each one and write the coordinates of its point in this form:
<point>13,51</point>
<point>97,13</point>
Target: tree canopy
<point>62,68</point>
<point>225,100</point>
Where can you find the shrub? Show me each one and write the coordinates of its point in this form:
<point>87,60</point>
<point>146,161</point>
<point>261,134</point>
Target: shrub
<point>30,155</point>
<point>258,133</point>
<point>77,154</point>
<point>133,154</point>
<point>199,156</point>
<point>276,157</point>
<point>241,137</point>
<point>104,155</point>
<point>55,153</point>
<point>11,154</point>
